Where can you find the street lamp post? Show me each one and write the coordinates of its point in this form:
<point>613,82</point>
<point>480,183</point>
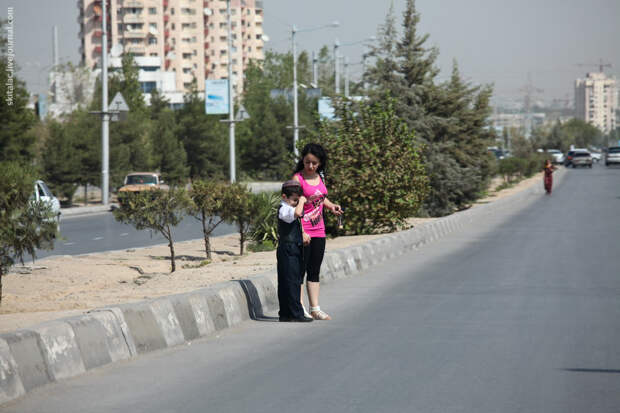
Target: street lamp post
<point>294,31</point>
<point>231,105</point>
<point>105,123</point>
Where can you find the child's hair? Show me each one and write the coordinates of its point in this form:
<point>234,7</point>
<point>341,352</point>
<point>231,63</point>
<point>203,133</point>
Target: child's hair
<point>292,187</point>
<point>316,150</point>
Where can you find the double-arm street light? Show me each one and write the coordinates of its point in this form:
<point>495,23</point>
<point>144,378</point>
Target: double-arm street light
<point>294,31</point>
<point>338,45</point>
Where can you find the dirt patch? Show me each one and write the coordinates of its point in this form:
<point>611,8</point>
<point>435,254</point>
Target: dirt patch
<point>62,286</point>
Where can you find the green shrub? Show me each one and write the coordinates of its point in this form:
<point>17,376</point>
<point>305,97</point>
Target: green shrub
<point>265,223</point>
<point>25,226</point>
<point>157,210</point>
<point>375,169</point>
<point>207,206</point>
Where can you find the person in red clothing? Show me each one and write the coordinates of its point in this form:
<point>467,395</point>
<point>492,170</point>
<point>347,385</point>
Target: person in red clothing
<point>548,176</point>
<point>310,174</point>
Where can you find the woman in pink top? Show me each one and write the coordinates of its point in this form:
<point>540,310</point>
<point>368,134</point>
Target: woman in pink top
<point>308,172</point>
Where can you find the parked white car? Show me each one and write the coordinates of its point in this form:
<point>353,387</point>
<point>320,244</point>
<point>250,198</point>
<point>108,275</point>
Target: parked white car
<point>43,194</point>
<point>557,155</point>
<point>596,156</point>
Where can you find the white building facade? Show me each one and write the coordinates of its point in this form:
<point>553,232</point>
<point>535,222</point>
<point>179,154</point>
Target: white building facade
<point>188,37</point>
<point>596,101</point>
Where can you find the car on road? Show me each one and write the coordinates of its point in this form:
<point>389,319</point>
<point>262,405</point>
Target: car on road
<point>137,182</point>
<point>570,154</point>
<point>596,156</point>
<point>557,157</point>
<point>43,194</point>
<point>612,157</point>
<point>581,158</point>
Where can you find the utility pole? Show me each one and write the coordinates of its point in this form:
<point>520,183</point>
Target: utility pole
<point>346,76</point>
<point>295,108</point>
<point>336,67</point>
<point>105,123</point>
<point>315,69</point>
<point>231,105</point>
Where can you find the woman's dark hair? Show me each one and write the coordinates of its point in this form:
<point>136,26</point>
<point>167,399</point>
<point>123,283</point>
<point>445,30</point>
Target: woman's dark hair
<point>316,150</point>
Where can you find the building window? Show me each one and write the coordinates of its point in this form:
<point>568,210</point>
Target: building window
<point>152,10</point>
<point>187,85</point>
<point>195,52</point>
<point>187,70</point>
<point>120,27</point>
<point>187,55</point>
<point>152,40</point>
<point>172,11</point>
<point>153,55</point>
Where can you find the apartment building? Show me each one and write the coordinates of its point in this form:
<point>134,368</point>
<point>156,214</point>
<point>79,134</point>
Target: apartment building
<point>188,37</point>
<point>596,100</point>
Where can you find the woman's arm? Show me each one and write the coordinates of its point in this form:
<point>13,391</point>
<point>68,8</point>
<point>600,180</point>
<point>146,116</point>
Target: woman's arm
<point>335,208</point>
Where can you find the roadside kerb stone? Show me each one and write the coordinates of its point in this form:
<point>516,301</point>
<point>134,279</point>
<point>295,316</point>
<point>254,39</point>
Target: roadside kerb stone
<point>185,315</point>
<point>60,349</point>
<point>143,328</point>
<point>90,336</point>
<point>167,320</point>
<point>202,313</point>
<point>119,340</point>
<point>235,303</point>
<point>11,386</point>
<point>25,347</point>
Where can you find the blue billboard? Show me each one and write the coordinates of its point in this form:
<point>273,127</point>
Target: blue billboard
<point>216,96</point>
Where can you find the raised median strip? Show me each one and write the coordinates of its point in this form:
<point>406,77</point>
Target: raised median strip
<point>68,347</point>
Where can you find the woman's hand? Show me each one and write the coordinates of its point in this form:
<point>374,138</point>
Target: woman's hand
<point>335,208</point>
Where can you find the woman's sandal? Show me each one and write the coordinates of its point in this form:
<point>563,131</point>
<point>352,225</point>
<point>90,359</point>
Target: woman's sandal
<point>318,314</point>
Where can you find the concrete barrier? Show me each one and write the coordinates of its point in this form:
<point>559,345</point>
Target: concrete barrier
<point>65,348</point>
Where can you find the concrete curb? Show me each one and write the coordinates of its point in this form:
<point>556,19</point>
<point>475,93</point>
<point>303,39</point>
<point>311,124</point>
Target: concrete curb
<point>68,347</point>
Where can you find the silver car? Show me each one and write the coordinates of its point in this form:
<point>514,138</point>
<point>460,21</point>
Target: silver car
<point>43,194</point>
<point>612,156</point>
<point>581,158</point>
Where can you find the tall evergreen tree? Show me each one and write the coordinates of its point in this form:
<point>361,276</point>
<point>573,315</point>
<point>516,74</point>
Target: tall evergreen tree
<point>204,138</point>
<point>169,155</point>
<point>17,143</point>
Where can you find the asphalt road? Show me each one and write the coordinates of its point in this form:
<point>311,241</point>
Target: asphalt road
<point>519,313</point>
<point>87,234</point>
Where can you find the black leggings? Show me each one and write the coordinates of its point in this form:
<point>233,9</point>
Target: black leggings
<point>313,257</point>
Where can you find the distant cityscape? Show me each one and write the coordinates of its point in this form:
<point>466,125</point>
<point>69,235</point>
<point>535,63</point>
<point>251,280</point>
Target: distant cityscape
<point>175,43</point>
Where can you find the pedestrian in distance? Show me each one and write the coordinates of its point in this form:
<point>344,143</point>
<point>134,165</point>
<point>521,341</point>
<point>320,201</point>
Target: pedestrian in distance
<point>548,170</point>
<point>310,173</point>
<point>290,253</point>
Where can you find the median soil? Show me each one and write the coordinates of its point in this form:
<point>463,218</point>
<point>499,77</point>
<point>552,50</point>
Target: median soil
<point>61,286</point>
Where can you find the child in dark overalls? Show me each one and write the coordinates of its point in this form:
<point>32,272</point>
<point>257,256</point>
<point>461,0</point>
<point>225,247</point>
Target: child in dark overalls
<point>290,253</point>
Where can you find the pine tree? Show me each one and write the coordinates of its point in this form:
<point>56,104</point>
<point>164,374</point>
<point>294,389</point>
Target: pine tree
<point>168,152</point>
<point>204,138</point>
<point>17,143</point>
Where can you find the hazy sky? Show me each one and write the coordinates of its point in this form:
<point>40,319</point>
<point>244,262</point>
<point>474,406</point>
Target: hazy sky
<point>494,41</point>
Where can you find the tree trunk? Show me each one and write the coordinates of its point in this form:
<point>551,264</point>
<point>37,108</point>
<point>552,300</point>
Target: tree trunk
<point>172,258</point>
<point>1,286</point>
<point>206,236</point>
<point>241,238</point>
<point>86,194</point>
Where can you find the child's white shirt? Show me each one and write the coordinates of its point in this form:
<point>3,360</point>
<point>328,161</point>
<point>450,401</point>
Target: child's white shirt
<point>286,212</point>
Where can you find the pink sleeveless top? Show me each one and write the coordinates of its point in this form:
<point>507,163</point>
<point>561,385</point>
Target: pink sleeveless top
<point>312,221</point>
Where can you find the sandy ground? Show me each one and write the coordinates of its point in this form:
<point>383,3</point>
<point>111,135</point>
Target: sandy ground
<point>61,286</point>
